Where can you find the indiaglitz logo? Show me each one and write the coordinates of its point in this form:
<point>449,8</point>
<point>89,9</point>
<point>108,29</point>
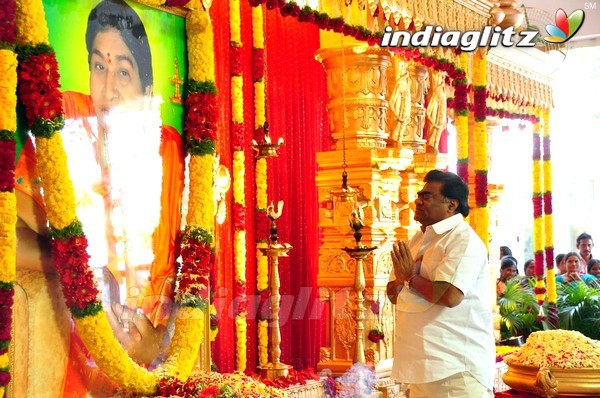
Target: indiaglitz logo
<point>433,36</point>
<point>565,27</point>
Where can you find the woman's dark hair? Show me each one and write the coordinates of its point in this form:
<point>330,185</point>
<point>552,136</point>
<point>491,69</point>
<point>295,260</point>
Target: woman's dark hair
<point>505,251</point>
<point>453,187</point>
<point>591,263</point>
<point>118,15</point>
<point>571,254</point>
<point>559,258</point>
<point>507,262</point>
<point>527,265</point>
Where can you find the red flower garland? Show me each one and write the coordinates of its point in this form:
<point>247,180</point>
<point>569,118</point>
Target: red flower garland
<point>7,165</point>
<point>39,87</point>
<point>201,117</point>
<point>194,275</point>
<point>239,217</point>
<point>235,59</point>
<point>70,258</point>
<point>6,303</point>
<point>237,136</point>
<point>292,379</point>
<point>481,189</point>
<point>7,27</point>
<point>258,63</point>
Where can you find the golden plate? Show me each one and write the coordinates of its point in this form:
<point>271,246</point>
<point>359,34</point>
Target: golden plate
<point>554,382</point>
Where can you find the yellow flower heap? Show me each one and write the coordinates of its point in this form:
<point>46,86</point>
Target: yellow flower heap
<point>564,349</point>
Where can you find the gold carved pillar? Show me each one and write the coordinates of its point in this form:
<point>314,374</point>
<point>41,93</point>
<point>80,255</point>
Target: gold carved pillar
<point>413,136</point>
<point>357,105</point>
<point>356,88</point>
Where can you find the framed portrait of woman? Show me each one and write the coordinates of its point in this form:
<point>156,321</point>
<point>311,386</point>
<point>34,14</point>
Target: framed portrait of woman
<point>122,70</point>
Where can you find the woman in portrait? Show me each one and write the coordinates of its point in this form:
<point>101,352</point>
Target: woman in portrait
<point>127,172</point>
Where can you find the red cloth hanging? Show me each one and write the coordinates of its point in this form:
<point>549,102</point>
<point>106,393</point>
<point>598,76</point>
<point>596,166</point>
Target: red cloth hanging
<point>296,98</point>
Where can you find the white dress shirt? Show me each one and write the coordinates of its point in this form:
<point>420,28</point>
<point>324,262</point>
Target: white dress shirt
<point>433,341</point>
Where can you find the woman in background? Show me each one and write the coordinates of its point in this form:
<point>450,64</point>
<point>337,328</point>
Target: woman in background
<point>508,270</point>
<point>573,261</point>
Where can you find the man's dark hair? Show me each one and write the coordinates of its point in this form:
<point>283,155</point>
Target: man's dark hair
<point>505,251</point>
<point>559,258</point>
<point>591,263</point>
<point>582,236</point>
<point>118,15</point>
<point>453,187</point>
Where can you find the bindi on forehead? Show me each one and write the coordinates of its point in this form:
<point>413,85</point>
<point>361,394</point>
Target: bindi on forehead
<point>108,59</point>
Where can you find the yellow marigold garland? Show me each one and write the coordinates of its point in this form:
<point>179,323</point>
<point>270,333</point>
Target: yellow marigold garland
<point>239,193</point>
<point>461,117</point>
<point>480,216</point>
<point>59,195</point>
<point>263,342</point>
<point>200,209</point>
<point>538,222</point>
<point>262,262</point>
<point>544,117</point>
<point>8,219</point>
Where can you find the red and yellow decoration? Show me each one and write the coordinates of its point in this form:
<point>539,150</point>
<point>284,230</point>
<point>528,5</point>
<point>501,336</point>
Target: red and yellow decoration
<point>544,116</point>
<point>239,193</point>
<point>260,175</point>
<point>538,222</point>
<point>461,117</point>
<point>8,206</point>
<point>480,218</point>
<point>38,74</point>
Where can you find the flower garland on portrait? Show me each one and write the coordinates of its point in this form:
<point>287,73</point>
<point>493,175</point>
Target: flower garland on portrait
<point>38,73</point>
<point>8,206</point>
<point>239,193</point>
<point>480,216</point>
<point>260,177</point>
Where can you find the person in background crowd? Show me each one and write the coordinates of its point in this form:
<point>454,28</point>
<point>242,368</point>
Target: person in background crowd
<point>505,251</point>
<point>585,244</point>
<point>593,267</point>
<point>561,266</point>
<point>572,275</point>
<point>444,343</point>
<point>508,270</point>
<point>529,268</point>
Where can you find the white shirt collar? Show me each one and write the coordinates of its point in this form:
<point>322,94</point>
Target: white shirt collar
<point>446,224</point>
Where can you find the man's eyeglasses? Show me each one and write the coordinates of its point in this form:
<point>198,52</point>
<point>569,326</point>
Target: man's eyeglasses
<point>426,196</point>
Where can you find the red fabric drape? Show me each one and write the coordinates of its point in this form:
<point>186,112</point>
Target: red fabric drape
<point>296,97</point>
<point>223,349</point>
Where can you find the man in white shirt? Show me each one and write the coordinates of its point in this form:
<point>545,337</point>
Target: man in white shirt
<point>585,244</point>
<point>444,343</point>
